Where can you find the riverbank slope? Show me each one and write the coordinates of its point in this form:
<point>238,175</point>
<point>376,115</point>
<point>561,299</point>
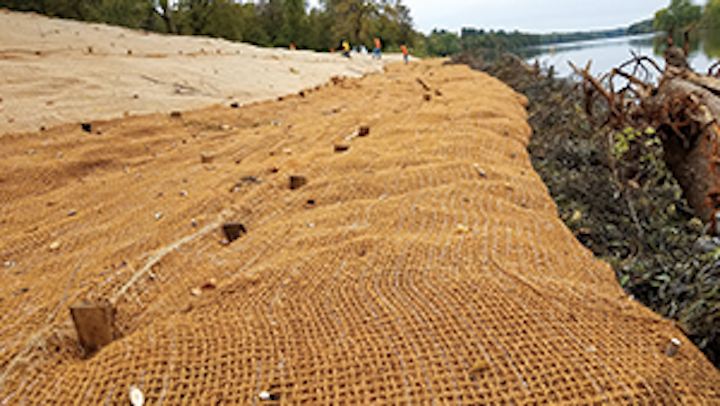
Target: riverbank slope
<point>422,260</point>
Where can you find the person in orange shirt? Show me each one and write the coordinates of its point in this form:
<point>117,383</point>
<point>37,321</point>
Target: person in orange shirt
<point>405,53</point>
<point>376,51</point>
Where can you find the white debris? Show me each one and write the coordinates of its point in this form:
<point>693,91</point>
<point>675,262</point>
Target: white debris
<point>136,396</point>
<point>479,170</point>
<point>264,395</point>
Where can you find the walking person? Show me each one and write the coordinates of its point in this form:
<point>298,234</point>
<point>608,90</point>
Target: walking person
<point>405,53</point>
<point>346,49</point>
<point>376,51</point>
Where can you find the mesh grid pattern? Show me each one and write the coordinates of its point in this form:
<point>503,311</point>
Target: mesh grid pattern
<point>409,268</point>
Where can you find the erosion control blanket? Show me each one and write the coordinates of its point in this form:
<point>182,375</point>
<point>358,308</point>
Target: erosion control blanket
<point>417,258</point>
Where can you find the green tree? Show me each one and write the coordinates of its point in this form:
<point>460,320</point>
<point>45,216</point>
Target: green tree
<point>294,25</point>
<point>680,14</point>
<point>351,19</point>
<point>162,9</point>
<point>128,13</point>
<point>272,17</point>
<point>443,43</point>
<point>711,15</point>
<point>216,18</point>
<point>252,27</point>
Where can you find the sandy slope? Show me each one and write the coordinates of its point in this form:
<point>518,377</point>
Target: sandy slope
<point>56,71</point>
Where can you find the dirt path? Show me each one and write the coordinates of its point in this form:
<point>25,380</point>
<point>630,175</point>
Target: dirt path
<point>424,264</point>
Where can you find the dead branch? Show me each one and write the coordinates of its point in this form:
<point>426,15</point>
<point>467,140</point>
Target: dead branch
<point>683,106</point>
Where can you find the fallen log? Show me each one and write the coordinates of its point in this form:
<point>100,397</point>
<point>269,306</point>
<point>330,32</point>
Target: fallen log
<point>684,107</point>
<point>688,108</point>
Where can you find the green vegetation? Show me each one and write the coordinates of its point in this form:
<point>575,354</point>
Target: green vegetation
<point>679,14</point>
<point>711,17</point>
<point>265,22</point>
<point>642,27</point>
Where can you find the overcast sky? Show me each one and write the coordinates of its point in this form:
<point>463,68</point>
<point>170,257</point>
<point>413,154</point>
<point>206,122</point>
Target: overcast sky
<point>530,15</point>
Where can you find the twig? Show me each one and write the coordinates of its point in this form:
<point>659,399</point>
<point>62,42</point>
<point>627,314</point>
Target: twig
<point>64,297</point>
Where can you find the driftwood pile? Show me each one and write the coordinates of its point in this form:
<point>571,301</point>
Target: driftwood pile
<point>684,108</point>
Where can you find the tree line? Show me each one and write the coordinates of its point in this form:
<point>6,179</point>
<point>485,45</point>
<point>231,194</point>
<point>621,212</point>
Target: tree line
<point>264,22</point>
<point>683,15</point>
<point>491,43</point>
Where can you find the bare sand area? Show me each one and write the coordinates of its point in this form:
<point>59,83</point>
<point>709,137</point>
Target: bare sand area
<point>396,247</point>
<point>55,71</point>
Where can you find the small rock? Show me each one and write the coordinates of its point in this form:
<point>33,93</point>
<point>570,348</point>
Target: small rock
<point>234,105</point>
<point>183,193</point>
<point>194,223</point>
<point>479,170</point>
<point>72,213</point>
<point>54,245</point>
<point>175,114</point>
<point>363,131</point>
<point>196,291</point>
<point>427,97</point>
<point>206,158</point>
<point>264,395</point>
<point>87,127</point>
<point>462,229</point>
<point>59,155</point>
<point>158,215</point>
<point>225,127</point>
<point>341,148</point>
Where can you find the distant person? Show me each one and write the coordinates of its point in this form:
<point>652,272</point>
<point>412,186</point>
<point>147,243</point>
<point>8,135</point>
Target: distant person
<point>363,50</point>
<point>405,53</point>
<point>376,50</point>
<point>292,47</point>
<point>346,49</point>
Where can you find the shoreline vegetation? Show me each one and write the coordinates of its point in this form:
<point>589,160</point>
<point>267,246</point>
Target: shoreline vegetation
<point>646,230</point>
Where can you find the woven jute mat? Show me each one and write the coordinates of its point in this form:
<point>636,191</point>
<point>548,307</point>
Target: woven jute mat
<point>418,258</point>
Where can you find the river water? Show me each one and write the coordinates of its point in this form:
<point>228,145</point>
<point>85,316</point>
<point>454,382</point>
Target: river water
<point>607,54</point>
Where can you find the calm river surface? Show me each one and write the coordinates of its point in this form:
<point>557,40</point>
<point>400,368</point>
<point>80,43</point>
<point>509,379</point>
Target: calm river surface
<point>606,54</point>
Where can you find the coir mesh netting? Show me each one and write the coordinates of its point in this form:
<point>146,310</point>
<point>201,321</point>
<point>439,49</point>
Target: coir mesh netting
<point>421,263</point>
